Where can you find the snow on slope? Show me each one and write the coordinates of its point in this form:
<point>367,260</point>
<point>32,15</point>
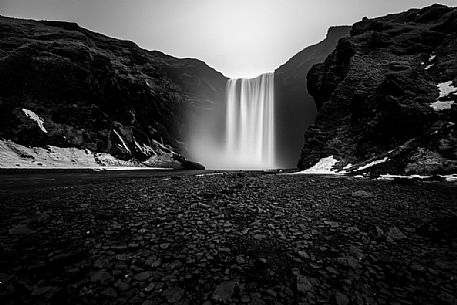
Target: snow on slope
<point>13,155</point>
<point>439,105</point>
<point>372,164</point>
<point>122,141</point>
<point>445,89</point>
<point>324,166</point>
<point>33,116</point>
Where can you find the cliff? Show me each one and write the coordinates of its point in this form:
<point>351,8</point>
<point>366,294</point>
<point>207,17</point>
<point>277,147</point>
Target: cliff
<point>65,86</point>
<point>387,94</point>
<point>295,109</point>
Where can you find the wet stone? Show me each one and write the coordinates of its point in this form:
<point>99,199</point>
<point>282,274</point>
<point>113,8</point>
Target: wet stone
<point>341,299</point>
<point>362,194</point>
<point>102,277</point>
<point>173,294</point>
<point>21,229</point>
<point>142,276</point>
<point>303,284</point>
<point>224,291</point>
<point>108,292</point>
<point>150,287</point>
<point>395,234</point>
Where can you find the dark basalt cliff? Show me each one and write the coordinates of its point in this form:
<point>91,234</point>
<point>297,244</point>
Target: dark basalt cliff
<point>295,109</point>
<point>375,91</point>
<point>98,93</point>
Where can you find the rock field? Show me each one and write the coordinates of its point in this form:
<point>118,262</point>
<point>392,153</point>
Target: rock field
<point>232,238</point>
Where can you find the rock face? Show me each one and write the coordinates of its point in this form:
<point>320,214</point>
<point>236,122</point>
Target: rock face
<point>388,91</point>
<point>65,86</point>
<point>295,109</point>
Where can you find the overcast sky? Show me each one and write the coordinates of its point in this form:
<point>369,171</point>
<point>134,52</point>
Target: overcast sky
<point>240,38</point>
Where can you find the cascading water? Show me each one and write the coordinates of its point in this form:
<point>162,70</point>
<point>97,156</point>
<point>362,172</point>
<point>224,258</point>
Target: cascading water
<point>237,134</point>
<point>250,123</point>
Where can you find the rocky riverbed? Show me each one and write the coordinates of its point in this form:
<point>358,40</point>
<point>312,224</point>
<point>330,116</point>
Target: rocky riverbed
<point>230,238</point>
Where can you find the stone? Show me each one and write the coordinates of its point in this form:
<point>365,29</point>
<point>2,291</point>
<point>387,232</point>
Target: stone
<point>154,261</point>
<point>332,224</point>
<point>40,290</point>
<point>108,292</point>
<point>101,277</point>
<point>21,229</point>
<point>379,232</point>
<point>447,299</point>
<point>362,194</point>
<point>417,268</point>
<point>164,245</point>
<point>142,276</point>
<point>303,254</point>
<point>395,234</point>
<point>341,299</point>
<point>224,291</point>
<point>123,286</point>
<point>240,259</point>
<point>260,236</point>
<point>303,284</point>
<point>150,287</point>
<point>174,294</point>
<point>245,298</point>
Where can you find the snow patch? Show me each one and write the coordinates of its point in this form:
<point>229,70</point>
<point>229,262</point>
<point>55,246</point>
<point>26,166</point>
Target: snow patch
<point>13,155</point>
<point>122,140</point>
<point>348,166</point>
<point>446,88</point>
<point>130,168</point>
<point>35,117</point>
<point>372,164</point>
<point>392,177</point>
<point>450,178</point>
<point>324,166</point>
<point>209,174</point>
<point>146,149</point>
<point>439,105</point>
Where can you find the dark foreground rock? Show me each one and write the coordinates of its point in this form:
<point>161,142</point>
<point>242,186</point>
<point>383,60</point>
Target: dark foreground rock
<point>234,238</point>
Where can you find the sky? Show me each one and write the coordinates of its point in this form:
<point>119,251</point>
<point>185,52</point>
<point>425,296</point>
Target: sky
<point>240,38</point>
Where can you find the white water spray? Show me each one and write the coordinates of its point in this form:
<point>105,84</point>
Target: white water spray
<point>250,126</point>
<point>240,133</point>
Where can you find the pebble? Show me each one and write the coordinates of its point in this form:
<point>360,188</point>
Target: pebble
<point>173,294</point>
<point>224,291</point>
<point>303,284</point>
<point>142,276</point>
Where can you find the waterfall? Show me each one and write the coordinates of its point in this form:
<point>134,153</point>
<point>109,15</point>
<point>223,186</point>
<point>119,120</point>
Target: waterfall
<point>250,122</point>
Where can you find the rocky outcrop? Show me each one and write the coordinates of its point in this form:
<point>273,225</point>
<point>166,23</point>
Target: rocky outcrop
<point>295,109</point>
<point>93,92</point>
<point>387,91</point>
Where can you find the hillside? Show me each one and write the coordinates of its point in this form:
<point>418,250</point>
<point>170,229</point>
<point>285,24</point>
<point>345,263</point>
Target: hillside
<point>386,95</point>
<point>68,87</point>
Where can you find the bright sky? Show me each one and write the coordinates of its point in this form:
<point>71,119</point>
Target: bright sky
<point>240,38</point>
